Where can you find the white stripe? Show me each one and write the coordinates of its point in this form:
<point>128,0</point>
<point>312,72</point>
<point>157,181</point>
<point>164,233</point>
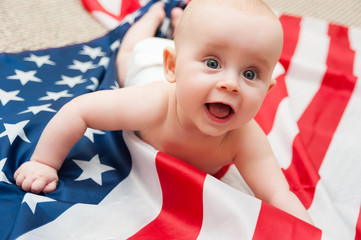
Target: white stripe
<point>283,133</point>
<point>129,207</point>
<point>113,6</point>
<point>308,65</point>
<point>227,212</point>
<point>337,199</point>
<point>303,79</point>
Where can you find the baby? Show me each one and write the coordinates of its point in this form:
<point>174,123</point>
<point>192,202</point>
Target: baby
<point>217,77</point>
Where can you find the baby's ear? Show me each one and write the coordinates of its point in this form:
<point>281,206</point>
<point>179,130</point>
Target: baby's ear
<point>169,64</point>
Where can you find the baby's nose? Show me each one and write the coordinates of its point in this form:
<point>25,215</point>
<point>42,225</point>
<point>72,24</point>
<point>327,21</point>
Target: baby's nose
<point>229,85</point>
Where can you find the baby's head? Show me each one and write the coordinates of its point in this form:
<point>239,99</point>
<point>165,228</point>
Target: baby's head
<point>251,21</point>
<point>225,53</point>
<point>217,19</point>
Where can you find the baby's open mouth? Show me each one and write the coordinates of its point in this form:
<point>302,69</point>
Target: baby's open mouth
<point>219,110</point>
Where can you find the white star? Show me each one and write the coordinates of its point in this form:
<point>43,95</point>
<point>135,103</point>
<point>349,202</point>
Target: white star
<point>104,61</point>
<point>32,200</point>
<point>5,97</point>
<point>56,95</point>
<point>92,169</point>
<point>3,177</point>
<point>40,60</point>
<point>89,133</point>
<point>82,66</point>
<point>14,130</point>
<point>115,86</point>
<point>94,85</point>
<point>36,109</point>
<point>115,45</point>
<point>25,77</point>
<point>70,81</point>
<point>93,53</point>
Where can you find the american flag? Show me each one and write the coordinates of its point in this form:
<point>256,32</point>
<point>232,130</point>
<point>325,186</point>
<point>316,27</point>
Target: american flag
<point>114,186</point>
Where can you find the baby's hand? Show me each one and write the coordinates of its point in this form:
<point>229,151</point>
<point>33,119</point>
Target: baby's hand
<point>36,177</point>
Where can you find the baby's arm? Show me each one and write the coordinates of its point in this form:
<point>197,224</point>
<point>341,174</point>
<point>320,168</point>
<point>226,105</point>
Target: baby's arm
<point>56,141</point>
<point>106,110</point>
<point>259,167</point>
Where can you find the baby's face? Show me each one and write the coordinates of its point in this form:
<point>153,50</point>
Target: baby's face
<point>224,63</point>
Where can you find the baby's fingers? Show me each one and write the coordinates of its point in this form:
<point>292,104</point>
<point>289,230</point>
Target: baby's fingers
<point>26,183</point>
<point>30,184</point>
<point>16,174</point>
<point>19,178</point>
<point>50,187</point>
<point>38,186</point>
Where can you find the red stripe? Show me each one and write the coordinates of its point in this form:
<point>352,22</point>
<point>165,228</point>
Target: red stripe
<point>358,227</point>
<point>182,211</point>
<point>274,224</point>
<point>127,7</point>
<point>318,123</point>
<point>267,113</point>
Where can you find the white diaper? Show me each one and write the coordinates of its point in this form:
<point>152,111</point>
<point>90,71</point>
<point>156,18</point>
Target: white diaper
<point>146,62</point>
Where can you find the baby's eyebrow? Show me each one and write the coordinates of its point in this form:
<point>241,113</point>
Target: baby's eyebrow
<point>261,60</point>
<point>264,61</point>
<point>213,45</point>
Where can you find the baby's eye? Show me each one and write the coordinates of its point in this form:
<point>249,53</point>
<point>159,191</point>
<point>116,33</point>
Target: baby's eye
<point>212,63</point>
<point>249,74</point>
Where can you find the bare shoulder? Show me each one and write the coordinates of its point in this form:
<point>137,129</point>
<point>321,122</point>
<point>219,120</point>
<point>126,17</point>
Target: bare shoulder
<point>251,127</point>
<point>249,131</point>
<point>148,104</point>
<point>252,142</point>
<point>153,96</point>
<point>244,140</point>
<point>157,89</point>
<point>149,95</point>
